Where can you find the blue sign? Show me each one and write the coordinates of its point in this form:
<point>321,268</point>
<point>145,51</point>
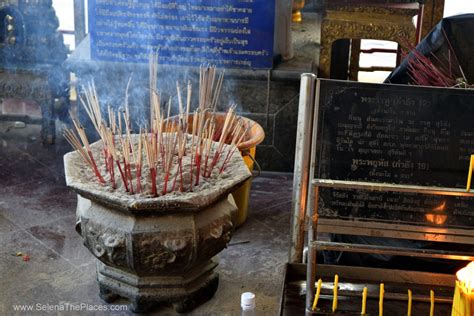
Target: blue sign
<point>227,33</point>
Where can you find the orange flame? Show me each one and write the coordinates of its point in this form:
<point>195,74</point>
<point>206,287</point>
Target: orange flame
<point>441,207</point>
<point>437,219</point>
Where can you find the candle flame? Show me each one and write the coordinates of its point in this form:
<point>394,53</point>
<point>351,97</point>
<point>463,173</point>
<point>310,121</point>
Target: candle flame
<point>440,207</point>
<point>438,219</point>
<point>466,275</point>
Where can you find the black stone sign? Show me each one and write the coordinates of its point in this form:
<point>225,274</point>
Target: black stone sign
<point>395,134</point>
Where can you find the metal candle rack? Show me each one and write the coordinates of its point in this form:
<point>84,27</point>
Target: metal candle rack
<point>307,219</point>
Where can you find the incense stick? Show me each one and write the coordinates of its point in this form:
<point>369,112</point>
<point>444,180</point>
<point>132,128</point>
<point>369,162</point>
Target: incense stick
<point>82,134</point>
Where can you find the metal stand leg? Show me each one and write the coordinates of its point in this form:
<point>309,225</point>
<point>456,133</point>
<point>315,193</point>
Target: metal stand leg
<point>302,165</point>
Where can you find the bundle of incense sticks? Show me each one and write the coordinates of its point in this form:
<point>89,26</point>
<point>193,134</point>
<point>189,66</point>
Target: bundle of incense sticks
<point>436,69</point>
<point>167,144</point>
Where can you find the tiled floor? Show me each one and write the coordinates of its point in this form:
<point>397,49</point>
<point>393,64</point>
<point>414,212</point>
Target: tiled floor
<point>37,214</point>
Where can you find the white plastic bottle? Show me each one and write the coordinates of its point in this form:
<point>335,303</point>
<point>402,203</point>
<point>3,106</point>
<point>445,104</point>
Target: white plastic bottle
<point>247,304</point>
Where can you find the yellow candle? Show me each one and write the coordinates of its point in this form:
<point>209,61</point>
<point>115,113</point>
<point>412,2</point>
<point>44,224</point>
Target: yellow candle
<point>334,301</point>
<point>316,297</point>
<point>432,303</point>
<point>364,301</point>
<point>381,299</point>
<point>469,174</point>
<point>409,303</point>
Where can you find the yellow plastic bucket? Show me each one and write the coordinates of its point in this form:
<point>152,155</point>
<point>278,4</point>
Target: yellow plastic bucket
<point>248,149</point>
<point>242,194</point>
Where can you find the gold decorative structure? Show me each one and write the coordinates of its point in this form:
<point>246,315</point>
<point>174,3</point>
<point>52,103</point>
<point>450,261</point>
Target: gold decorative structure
<point>362,20</point>
<point>296,16</point>
<point>432,14</point>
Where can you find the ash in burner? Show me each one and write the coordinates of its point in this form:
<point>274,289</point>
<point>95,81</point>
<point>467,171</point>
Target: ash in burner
<point>83,173</point>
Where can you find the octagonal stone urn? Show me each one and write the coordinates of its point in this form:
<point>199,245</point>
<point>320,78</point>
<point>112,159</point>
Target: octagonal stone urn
<point>155,251</point>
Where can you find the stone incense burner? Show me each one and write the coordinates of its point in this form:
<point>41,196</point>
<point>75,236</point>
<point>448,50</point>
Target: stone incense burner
<point>155,251</point>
